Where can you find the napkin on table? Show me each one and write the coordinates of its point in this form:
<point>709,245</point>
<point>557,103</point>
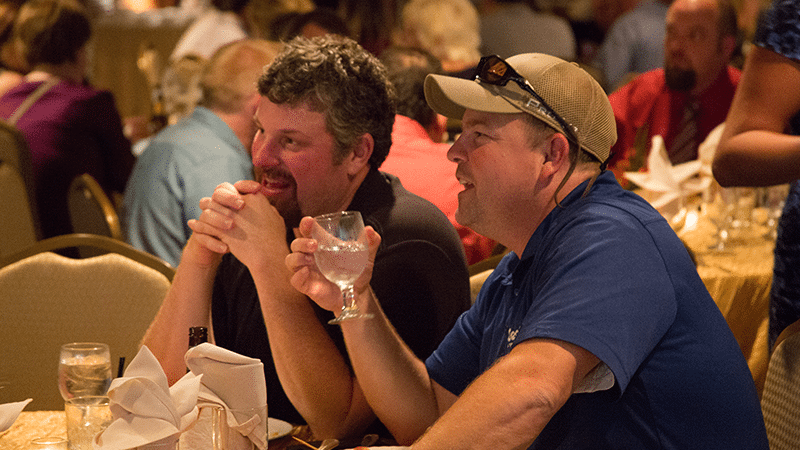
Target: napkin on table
<point>145,408</point>
<point>235,382</point>
<point>9,413</point>
<point>667,185</point>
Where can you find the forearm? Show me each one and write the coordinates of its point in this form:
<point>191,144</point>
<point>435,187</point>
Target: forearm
<point>757,158</point>
<point>497,411</point>
<point>509,405</point>
<point>394,380</point>
<point>754,149</point>
<point>187,304</point>
<point>313,373</point>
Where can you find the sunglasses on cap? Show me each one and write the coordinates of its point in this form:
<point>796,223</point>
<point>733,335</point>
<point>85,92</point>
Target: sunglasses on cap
<point>495,71</point>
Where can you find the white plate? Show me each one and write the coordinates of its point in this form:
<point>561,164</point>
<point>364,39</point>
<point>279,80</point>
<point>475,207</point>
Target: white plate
<point>277,428</point>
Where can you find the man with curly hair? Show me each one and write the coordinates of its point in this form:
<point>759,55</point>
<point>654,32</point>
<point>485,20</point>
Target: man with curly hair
<point>324,127</point>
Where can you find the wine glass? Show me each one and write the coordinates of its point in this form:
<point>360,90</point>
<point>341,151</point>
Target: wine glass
<point>341,255</point>
<point>721,211</point>
<point>84,369</point>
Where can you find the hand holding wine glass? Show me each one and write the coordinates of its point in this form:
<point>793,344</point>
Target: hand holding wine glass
<point>341,256</point>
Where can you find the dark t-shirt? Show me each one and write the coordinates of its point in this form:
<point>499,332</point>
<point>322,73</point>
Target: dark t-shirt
<point>420,277</point>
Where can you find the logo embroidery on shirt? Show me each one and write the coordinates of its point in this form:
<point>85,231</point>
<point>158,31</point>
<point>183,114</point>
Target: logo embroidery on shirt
<point>512,336</point>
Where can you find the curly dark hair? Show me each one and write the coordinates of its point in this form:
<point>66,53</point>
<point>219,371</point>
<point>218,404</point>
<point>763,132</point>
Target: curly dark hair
<point>336,76</point>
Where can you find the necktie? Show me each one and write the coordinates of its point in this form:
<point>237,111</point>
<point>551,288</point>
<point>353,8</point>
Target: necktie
<point>684,145</point>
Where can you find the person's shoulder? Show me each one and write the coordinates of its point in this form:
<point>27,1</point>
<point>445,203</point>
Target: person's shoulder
<point>645,86</point>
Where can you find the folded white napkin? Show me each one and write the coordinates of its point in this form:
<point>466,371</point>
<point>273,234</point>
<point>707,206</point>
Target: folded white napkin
<point>9,413</point>
<point>666,185</point>
<point>145,408</point>
<point>236,383</point>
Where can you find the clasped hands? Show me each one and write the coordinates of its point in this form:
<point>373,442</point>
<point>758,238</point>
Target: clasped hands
<point>239,219</point>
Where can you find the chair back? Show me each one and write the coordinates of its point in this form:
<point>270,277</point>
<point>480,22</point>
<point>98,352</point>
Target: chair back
<point>49,300</point>
<point>14,150</point>
<point>17,220</point>
<point>90,209</point>
<point>98,244</point>
<point>780,401</point>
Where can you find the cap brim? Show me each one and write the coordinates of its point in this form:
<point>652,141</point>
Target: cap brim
<point>450,97</point>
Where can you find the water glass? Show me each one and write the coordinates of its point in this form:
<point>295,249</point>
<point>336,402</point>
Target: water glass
<point>48,443</point>
<point>84,369</point>
<point>86,417</point>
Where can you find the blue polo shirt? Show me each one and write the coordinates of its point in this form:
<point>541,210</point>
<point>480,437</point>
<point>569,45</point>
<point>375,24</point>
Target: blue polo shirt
<point>607,273</point>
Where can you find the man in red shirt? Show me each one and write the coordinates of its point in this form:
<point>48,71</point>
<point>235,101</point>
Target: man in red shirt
<point>418,157</point>
<point>686,99</point>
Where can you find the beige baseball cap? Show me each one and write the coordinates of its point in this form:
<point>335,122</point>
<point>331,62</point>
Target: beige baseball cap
<point>569,90</point>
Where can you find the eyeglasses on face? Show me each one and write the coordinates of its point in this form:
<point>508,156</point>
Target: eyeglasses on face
<point>495,71</point>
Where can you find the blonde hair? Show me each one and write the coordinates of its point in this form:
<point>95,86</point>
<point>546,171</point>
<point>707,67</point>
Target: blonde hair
<point>448,29</point>
<point>230,76</point>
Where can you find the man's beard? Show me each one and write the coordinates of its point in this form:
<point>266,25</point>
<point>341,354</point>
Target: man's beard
<point>683,80</point>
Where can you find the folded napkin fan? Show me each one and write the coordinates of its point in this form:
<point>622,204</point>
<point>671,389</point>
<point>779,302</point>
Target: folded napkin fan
<point>236,383</point>
<point>9,413</point>
<point>145,408</point>
<point>666,185</point>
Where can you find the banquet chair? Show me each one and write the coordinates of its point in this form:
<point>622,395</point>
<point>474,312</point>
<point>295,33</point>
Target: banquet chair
<point>90,209</point>
<point>17,220</point>
<point>14,150</point>
<point>780,401</point>
<point>49,300</point>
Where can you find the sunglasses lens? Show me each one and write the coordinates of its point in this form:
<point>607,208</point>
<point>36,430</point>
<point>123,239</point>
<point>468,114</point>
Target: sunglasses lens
<point>494,70</point>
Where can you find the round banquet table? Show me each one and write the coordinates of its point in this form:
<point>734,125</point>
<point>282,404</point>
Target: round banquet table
<point>739,280</point>
<point>33,424</point>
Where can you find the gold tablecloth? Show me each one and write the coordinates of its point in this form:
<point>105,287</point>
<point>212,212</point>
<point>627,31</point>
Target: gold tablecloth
<point>33,424</point>
<point>738,280</point>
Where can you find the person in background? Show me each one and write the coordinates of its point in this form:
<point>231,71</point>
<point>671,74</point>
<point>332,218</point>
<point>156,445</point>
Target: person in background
<point>318,22</point>
<point>760,145</point>
<point>324,127</point>
<point>418,153</point>
<point>227,21</point>
<point>606,12</point>
<point>370,22</point>
<point>11,68</point>
<point>447,29</point>
<point>511,27</point>
<point>634,44</point>
<point>594,332</point>
<point>686,99</point>
<point>186,161</point>
<point>70,127</point>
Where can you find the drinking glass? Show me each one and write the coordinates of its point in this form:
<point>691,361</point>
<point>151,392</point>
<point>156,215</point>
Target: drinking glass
<point>84,369</point>
<point>341,255</point>
<point>86,417</point>
<point>720,211</point>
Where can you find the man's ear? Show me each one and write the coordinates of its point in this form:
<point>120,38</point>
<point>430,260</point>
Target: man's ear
<point>556,154</point>
<point>362,151</point>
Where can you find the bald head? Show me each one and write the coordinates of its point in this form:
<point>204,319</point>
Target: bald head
<point>700,40</point>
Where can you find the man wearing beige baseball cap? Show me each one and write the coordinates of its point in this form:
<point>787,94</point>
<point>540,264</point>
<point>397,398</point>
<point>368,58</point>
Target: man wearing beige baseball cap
<point>594,332</point>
